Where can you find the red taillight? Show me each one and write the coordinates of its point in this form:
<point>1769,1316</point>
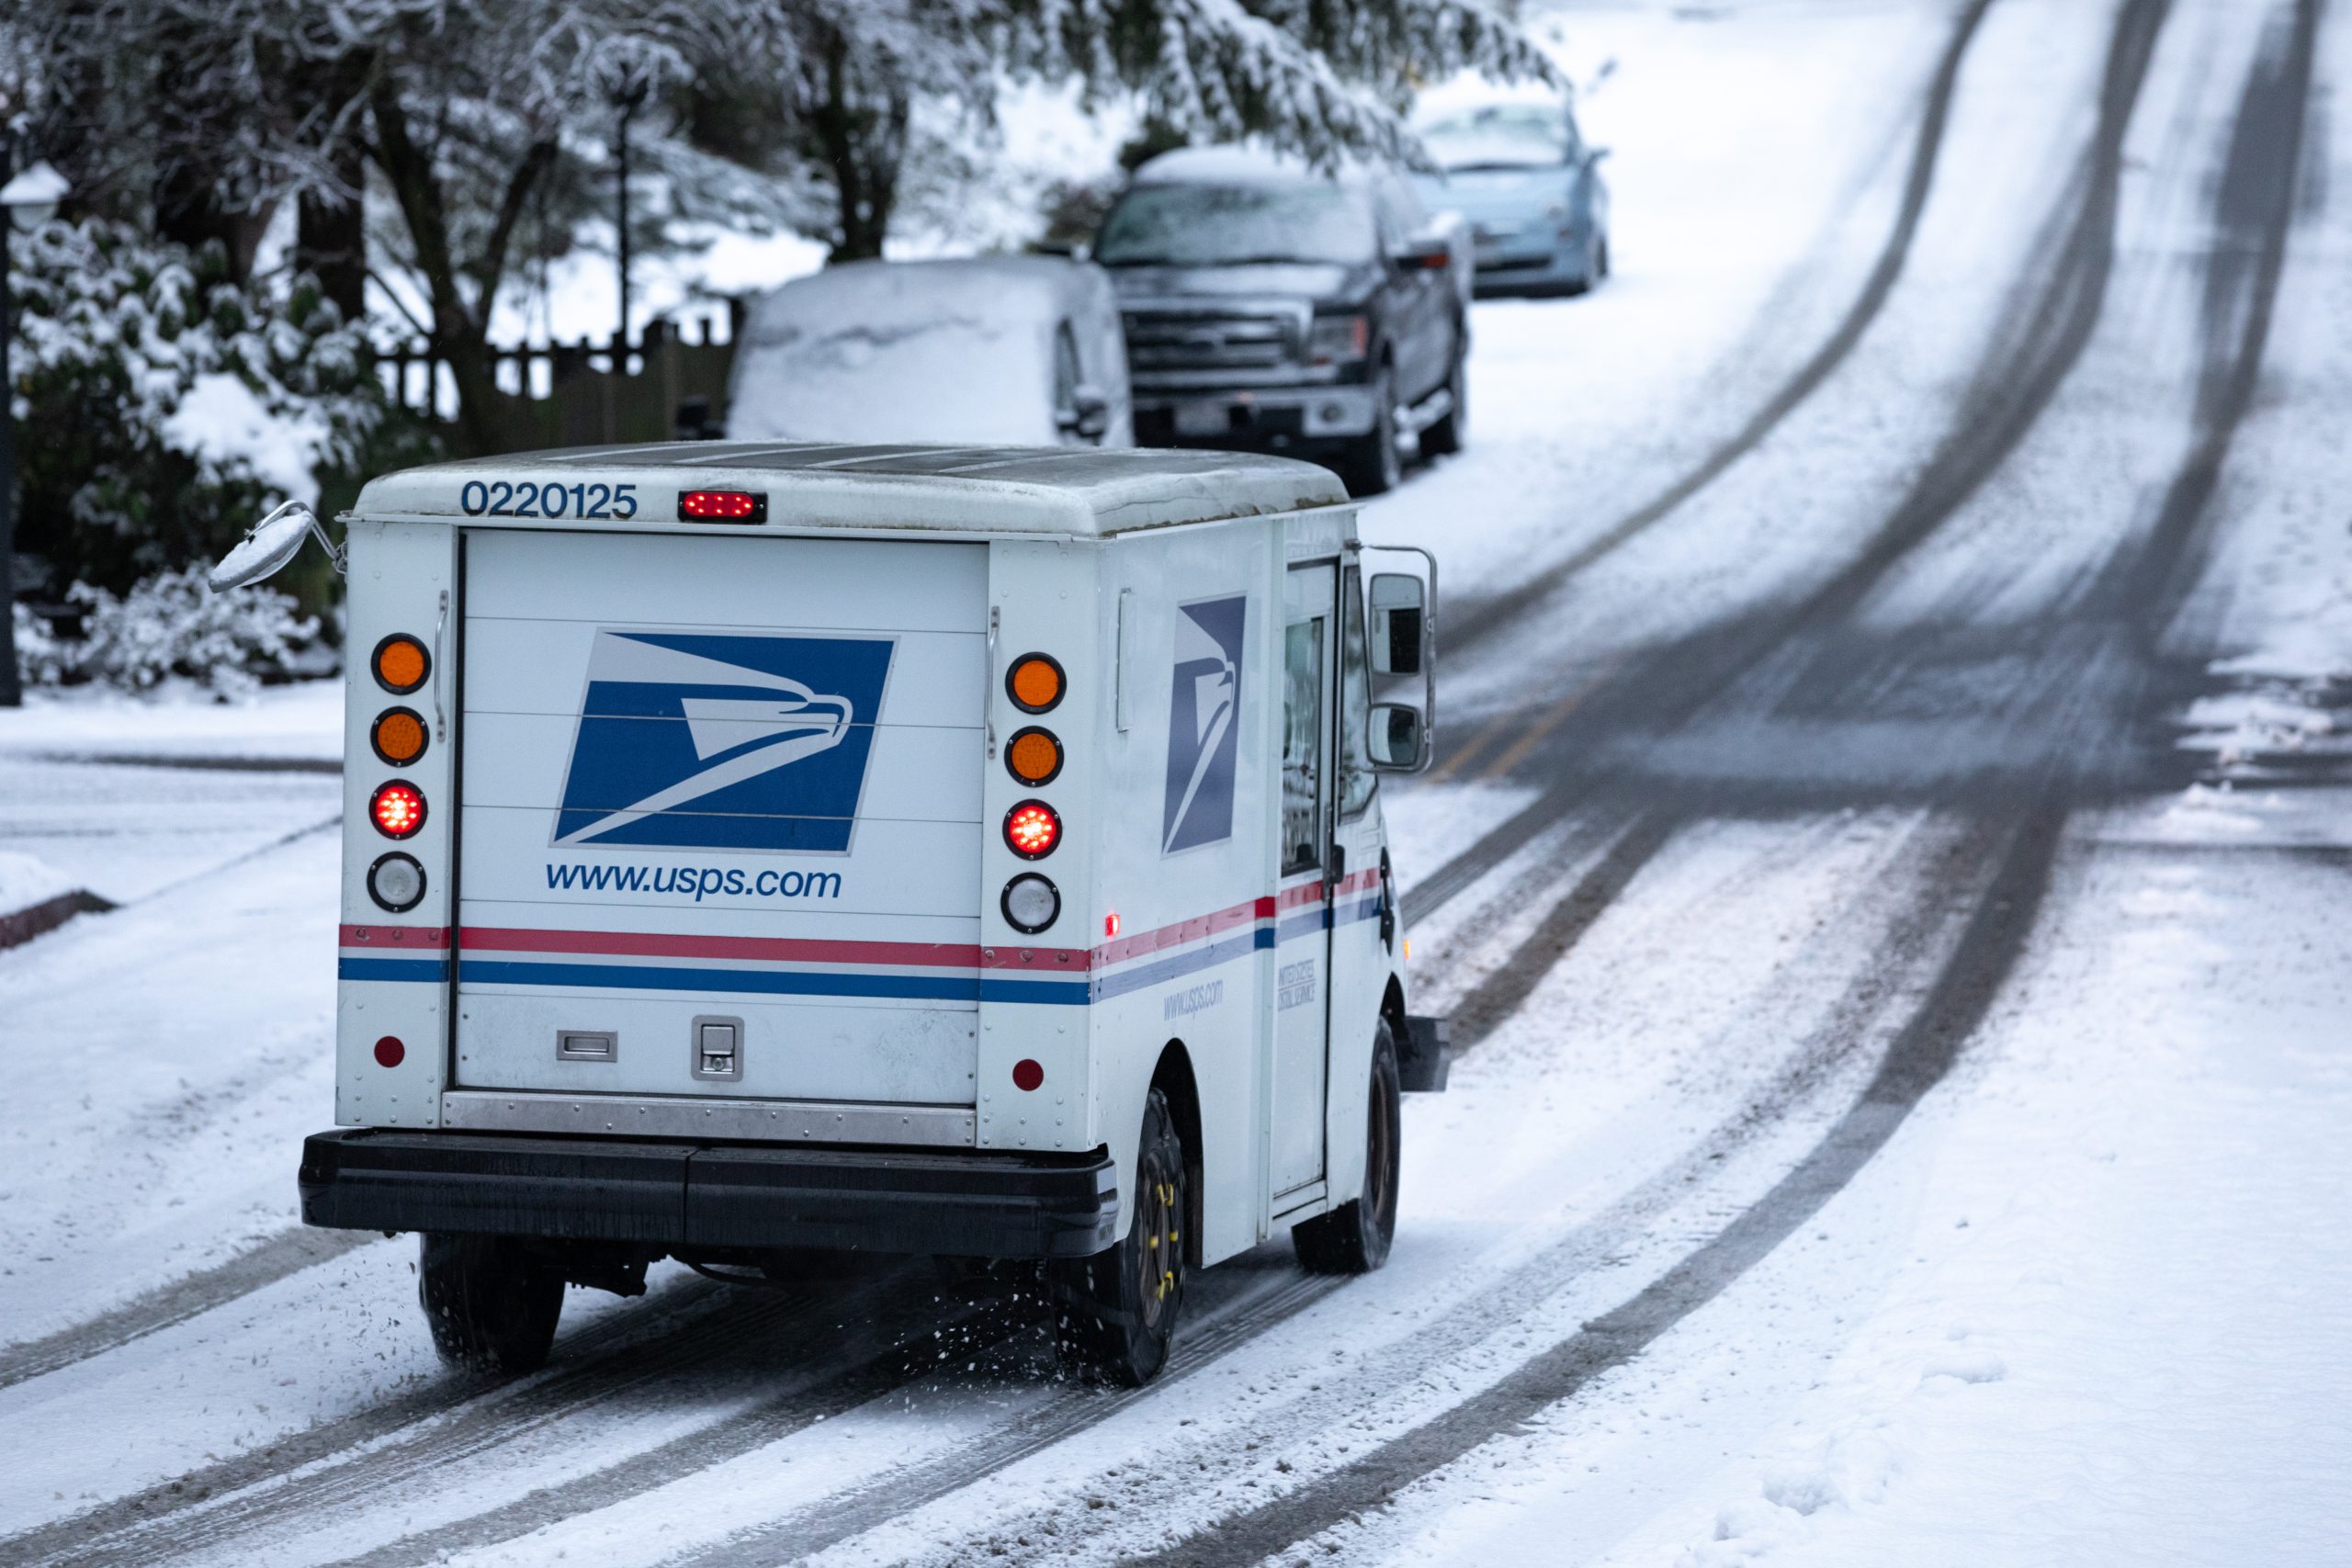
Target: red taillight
<point>398,809</point>
<point>1027,1074</point>
<point>390,1052</point>
<point>1032,829</point>
<point>723,507</point>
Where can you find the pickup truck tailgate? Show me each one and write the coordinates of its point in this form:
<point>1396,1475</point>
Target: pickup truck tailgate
<point>718,780</point>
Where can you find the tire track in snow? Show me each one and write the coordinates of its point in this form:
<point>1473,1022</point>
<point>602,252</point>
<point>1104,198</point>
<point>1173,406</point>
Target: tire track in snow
<point>1918,1059</point>
<point>1482,618</point>
<point>2058,303</point>
<point>263,1264</point>
<point>1917,927</point>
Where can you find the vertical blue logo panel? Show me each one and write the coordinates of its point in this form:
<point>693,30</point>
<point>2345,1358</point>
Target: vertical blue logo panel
<point>722,740</point>
<point>1203,708</point>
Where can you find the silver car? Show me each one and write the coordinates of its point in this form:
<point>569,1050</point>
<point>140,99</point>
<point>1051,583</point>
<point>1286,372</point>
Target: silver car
<point>1520,173</point>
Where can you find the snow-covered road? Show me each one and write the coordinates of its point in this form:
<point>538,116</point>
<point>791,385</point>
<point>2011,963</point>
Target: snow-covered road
<point>1888,861</point>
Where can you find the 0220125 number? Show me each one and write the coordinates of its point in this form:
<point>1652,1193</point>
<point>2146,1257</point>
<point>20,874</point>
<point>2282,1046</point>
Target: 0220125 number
<point>540,498</point>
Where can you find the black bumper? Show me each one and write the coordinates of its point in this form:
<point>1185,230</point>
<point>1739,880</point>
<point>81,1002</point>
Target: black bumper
<point>672,1197</point>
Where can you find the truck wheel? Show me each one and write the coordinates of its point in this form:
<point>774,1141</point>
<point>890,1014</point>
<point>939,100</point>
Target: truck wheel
<point>487,1304</point>
<point>1370,466</point>
<point>1355,1238</point>
<point>1443,437</point>
<point>1118,1308</point>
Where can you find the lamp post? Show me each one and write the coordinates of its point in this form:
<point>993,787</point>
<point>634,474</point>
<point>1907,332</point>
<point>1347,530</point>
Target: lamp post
<point>30,198</point>
<point>629,96</point>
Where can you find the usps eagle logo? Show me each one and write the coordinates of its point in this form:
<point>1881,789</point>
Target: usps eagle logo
<point>1203,716</point>
<point>722,740</point>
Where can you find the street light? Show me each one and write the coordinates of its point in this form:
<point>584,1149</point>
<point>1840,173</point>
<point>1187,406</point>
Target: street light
<point>29,199</point>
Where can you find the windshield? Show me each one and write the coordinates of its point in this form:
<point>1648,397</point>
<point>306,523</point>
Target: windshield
<point>1189,225</point>
<point>1500,136</point>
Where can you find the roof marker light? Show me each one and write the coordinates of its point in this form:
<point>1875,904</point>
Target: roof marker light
<point>723,507</point>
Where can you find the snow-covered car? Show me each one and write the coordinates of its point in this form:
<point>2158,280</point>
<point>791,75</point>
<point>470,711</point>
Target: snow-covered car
<point>1518,167</point>
<point>1019,350</point>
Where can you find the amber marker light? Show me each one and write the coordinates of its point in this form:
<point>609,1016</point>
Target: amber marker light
<point>1034,682</point>
<point>1032,829</point>
<point>397,809</point>
<point>398,736</point>
<point>1034,756</point>
<point>400,664</point>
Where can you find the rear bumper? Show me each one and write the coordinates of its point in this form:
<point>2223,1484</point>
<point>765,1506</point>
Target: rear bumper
<point>680,1197</point>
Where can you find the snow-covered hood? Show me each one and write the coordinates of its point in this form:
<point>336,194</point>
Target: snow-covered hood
<point>1326,282</point>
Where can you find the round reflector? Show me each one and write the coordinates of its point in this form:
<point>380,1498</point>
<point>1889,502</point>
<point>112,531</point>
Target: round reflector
<point>1027,1075</point>
<point>398,736</point>
<point>396,882</point>
<point>1034,682</point>
<point>398,809</point>
<point>1030,903</point>
<point>1032,829</point>
<point>400,665</point>
<point>1034,756</point>
<point>390,1052</point>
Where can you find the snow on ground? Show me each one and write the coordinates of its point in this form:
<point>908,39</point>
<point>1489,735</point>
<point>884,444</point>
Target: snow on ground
<point>2093,1305</point>
<point>127,796</point>
<point>1773,142</point>
<point>25,881</point>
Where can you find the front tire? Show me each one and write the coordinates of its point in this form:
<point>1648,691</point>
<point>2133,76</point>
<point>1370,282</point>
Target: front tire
<point>1355,1238</point>
<point>1372,466</point>
<point>487,1304</point>
<point>1118,1309</point>
<point>1444,436</point>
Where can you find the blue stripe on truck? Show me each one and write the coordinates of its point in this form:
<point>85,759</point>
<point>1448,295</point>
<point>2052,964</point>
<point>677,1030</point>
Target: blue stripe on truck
<point>663,977</point>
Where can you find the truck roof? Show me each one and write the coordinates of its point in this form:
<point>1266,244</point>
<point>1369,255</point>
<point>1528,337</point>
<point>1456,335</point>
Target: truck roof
<point>1085,491</point>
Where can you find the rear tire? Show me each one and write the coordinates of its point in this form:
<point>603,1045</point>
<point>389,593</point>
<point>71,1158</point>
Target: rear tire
<point>1443,439</point>
<point>487,1304</point>
<point>1355,1238</point>
<point>1118,1309</point>
<point>1372,465</point>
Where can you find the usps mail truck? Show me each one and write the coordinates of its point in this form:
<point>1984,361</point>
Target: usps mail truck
<point>970,851</point>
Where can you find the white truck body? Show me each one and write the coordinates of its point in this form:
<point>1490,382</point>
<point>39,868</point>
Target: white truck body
<point>754,775</point>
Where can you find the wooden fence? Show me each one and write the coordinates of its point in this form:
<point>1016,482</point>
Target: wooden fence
<point>586,394</point>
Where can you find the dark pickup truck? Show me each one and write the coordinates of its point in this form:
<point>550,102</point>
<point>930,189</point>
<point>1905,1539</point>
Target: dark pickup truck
<point>1275,309</point>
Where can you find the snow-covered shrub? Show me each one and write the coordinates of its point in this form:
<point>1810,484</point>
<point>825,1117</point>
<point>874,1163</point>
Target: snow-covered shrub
<point>169,625</point>
<point>163,407</point>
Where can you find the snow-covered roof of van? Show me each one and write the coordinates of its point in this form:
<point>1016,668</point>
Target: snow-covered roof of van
<point>1083,491</point>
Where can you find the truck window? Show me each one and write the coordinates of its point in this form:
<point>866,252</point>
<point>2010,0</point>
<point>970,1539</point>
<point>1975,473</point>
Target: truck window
<point>1188,225</point>
<point>1303,747</point>
<point>1356,777</point>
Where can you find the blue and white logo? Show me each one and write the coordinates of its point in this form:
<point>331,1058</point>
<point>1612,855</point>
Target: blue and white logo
<point>735,740</point>
<point>1203,709</point>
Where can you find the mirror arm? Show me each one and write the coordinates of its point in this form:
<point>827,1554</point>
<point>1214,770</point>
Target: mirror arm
<point>340,559</point>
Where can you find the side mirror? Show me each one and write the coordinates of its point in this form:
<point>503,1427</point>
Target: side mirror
<point>1089,415</point>
<point>1594,156</point>
<point>1404,671</point>
<point>264,552</point>
<point>1399,740</point>
<point>1422,255</point>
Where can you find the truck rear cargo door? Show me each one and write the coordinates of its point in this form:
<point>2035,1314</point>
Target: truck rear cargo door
<point>719,827</point>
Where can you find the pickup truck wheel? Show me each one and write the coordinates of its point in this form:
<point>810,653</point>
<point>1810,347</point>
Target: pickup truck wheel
<point>1118,1309</point>
<point>1355,1238</point>
<point>487,1304</point>
<point>1370,466</point>
<point>1443,437</point>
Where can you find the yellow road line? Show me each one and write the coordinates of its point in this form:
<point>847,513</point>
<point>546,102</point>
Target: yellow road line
<point>1554,716</point>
